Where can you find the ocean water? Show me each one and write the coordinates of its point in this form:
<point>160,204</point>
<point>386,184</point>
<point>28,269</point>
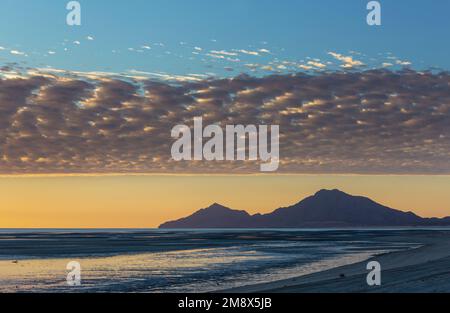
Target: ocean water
<point>178,261</point>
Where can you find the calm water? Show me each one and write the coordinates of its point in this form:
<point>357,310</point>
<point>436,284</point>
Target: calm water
<point>178,261</point>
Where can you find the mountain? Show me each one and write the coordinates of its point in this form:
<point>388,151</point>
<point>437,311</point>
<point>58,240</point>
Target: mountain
<point>215,216</point>
<point>326,208</point>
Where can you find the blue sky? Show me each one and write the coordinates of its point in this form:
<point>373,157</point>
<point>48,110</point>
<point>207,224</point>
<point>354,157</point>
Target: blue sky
<point>177,36</point>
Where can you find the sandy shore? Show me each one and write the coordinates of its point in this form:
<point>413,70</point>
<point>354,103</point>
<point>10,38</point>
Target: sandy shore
<point>424,269</point>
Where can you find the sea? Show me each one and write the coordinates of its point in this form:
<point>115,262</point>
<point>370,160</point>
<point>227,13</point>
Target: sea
<point>178,261</point>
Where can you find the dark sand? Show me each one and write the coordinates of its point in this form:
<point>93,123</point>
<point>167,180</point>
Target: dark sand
<point>423,269</point>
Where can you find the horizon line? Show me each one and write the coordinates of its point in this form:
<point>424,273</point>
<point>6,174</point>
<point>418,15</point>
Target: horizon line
<point>113,174</point>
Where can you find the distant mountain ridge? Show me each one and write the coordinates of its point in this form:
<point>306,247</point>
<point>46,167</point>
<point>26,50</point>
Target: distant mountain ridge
<point>326,208</point>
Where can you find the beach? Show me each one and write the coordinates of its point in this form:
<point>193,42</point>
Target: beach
<point>422,269</point>
<point>225,260</point>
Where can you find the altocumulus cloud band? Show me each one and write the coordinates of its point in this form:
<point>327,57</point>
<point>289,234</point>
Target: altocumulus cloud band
<point>374,121</point>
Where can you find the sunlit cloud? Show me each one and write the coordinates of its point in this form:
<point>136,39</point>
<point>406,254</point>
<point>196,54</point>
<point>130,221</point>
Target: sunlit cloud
<point>348,61</point>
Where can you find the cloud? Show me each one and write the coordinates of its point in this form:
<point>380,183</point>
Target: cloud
<point>223,52</point>
<point>268,68</point>
<point>223,55</point>
<point>17,52</point>
<point>375,121</point>
<point>317,64</point>
<point>348,61</point>
<point>254,53</point>
<point>305,67</point>
<point>403,63</point>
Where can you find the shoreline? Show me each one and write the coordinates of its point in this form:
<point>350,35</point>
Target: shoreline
<point>421,269</point>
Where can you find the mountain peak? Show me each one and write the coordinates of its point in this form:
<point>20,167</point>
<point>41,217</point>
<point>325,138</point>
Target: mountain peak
<point>217,206</point>
<point>328,192</point>
<point>214,216</point>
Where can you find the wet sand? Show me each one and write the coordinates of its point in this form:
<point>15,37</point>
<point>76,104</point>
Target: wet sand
<point>423,269</point>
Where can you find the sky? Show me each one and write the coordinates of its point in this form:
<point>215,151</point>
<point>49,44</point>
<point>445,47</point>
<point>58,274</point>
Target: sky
<point>147,201</point>
<point>161,36</point>
<point>86,111</point>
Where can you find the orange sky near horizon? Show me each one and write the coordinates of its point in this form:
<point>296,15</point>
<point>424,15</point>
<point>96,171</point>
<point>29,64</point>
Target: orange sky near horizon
<point>146,201</point>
